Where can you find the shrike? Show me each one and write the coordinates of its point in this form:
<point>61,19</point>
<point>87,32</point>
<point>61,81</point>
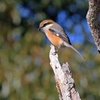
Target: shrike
<point>56,34</point>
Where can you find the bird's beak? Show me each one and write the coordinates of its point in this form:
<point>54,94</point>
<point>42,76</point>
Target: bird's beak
<point>39,28</point>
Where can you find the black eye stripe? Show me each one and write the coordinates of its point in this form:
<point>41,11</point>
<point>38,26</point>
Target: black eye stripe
<point>47,24</point>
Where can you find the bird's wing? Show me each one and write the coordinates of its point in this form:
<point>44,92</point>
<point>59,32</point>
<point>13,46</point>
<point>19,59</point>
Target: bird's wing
<point>60,33</point>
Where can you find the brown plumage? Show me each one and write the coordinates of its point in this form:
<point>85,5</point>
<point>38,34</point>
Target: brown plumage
<point>56,34</point>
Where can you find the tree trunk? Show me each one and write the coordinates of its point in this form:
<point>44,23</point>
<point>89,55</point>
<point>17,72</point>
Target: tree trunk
<point>93,18</point>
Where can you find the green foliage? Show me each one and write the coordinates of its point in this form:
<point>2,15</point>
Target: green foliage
<point>25,73</point>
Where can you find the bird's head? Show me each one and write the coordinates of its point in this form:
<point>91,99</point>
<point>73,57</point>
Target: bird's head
<point>45,25</point>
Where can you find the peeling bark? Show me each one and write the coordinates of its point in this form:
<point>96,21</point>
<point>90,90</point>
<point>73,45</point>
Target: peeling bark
<point>63,77</point>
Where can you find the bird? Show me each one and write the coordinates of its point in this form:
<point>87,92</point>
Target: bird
<point>56,34</point>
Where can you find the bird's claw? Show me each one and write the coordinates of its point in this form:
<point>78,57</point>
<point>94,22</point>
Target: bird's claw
<point>56,51</point>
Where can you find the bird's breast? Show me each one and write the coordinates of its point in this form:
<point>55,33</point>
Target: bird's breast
<point>55,40</point>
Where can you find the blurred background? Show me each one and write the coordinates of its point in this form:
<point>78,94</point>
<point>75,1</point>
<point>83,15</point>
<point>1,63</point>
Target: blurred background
<point>25,72</point>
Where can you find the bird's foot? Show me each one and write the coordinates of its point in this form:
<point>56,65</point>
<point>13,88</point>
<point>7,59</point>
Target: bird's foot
<point>56,51</point>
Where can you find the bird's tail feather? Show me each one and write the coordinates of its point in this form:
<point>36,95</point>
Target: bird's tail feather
<point>68,45</point>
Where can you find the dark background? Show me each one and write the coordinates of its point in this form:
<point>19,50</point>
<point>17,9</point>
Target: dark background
<point>25,72</point>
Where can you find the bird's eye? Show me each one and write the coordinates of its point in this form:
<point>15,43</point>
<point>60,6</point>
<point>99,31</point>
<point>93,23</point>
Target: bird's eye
<point>45,24</point>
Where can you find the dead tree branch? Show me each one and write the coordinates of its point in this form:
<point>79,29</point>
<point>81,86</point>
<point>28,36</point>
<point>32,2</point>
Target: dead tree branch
<point>63,77</point>
<point>93,18</point>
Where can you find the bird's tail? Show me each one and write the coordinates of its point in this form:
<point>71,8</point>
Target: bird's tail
<point>68,45</point>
